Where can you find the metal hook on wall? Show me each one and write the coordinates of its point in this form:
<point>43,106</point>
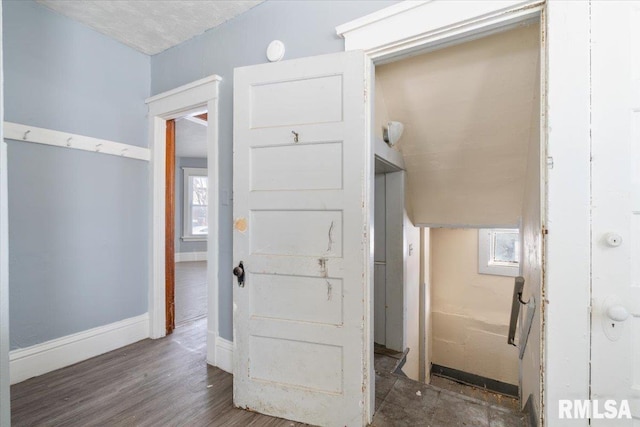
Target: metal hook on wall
<point>98,147</point>
<point>69,141</point>
<point>520,299</point>
<point>24,137</point>
<point>295,136</point>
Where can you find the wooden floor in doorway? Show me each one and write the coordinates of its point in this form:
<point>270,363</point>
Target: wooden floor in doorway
<point>190,291</point>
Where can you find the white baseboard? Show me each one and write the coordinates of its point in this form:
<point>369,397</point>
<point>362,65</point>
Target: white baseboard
<point>190,256</point>
<point>224,354</point>
<point>39,359</point>
<point>211,348</point>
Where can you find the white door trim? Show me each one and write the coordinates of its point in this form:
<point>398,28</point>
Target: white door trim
<point>411,26</point>
<point>193,97</point>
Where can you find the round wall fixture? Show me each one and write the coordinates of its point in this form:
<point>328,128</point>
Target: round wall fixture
<point>275,51</point>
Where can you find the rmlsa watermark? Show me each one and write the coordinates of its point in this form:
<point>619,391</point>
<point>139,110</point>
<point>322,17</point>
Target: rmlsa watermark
<point>593,409</point>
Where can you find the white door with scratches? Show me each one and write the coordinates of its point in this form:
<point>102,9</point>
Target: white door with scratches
<point>302,163</point>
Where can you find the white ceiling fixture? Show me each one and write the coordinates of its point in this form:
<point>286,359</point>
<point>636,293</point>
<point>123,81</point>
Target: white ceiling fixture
<point>148,26</point>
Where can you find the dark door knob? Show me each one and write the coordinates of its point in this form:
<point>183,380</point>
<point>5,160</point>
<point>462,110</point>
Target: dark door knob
<point>239,273</point>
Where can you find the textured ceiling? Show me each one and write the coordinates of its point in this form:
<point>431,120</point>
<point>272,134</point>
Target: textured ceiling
<point>150,26</point>
<point>470,113</point>
<point>191,139</point>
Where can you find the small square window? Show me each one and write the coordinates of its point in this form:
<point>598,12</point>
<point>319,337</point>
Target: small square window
<point>499,251</point>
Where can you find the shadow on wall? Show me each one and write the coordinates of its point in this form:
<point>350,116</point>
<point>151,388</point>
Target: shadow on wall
<point>470,311</point>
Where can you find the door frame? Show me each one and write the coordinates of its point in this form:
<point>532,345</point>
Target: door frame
<point>170,226</point>
<point>191,98</point>
<point>412,27</point>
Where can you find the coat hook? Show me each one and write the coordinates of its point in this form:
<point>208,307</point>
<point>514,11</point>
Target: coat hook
<point>24,137</point>
<point>98,147</point>
<point>69,142</point>
<point>295,136</point>
<point>123,151</point>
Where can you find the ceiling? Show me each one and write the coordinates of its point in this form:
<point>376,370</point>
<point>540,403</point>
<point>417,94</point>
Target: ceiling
<point>470,112</point>
<point>150,26</point>
<point>191,139</point>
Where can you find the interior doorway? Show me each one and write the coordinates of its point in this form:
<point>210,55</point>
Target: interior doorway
<point>191,99</point>
<point>397,266</point>
<point>471,149</point>
<point>191,226</point>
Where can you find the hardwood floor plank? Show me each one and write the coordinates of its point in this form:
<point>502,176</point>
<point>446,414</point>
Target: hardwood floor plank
<point>167,382</point>
<point>164,382</point>
<point>191,291</point>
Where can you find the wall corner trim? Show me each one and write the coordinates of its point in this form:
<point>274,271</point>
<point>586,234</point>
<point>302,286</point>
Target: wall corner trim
<point>224,354</point>
<point>58,353</point>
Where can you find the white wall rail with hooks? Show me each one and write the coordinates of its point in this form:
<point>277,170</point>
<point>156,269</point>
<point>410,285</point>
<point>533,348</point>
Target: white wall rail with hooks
<point>18,132</point>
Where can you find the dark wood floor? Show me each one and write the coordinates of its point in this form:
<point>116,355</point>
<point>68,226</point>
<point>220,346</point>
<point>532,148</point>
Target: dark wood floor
<point>167,382</point>
<point>164,382</point>
<point>190,291</point>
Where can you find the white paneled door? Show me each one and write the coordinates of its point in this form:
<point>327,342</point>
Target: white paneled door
<point>615,367</point>
<point>302,162</point>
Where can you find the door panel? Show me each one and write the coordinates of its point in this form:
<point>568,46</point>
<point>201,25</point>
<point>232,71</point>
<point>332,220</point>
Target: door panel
<point>317,167</point>
<point>297,102</point>
<point>302,162</point>
<point>615,49</point>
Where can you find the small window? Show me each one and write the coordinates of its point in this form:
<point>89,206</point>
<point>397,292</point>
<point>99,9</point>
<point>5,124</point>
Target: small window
<point>195,219</point>
<point>499,251</point>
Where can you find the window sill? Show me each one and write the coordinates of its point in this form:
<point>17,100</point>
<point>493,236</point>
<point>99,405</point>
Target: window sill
<point>194,238</point>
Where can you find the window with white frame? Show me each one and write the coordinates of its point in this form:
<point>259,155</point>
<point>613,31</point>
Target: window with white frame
<point>195,222</point>
<point>499,251</point>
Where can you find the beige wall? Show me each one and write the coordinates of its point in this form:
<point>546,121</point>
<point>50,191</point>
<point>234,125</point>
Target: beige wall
<point>466,111</point>
<point>470,311</point>
<point>381,114</point>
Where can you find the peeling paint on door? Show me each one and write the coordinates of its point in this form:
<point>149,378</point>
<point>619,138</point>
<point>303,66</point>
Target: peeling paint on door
<point>240,224</point>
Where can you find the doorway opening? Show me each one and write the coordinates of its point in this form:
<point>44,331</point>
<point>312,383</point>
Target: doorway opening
<point>189,100</point>
<point>471,157</point>
<point>190,224</point>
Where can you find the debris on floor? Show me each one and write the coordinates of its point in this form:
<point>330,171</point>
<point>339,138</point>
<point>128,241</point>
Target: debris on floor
<point>401,401</point>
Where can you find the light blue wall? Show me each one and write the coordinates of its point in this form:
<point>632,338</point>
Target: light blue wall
<point>306,27</point>
<point>62,75</point>
<point>78,221</point>
<point>185,162</point>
